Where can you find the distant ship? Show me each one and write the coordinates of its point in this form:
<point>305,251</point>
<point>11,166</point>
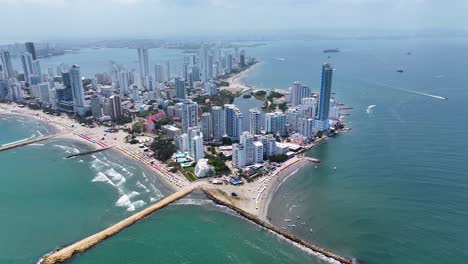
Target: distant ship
<point>331,50</point>
<point>400,71</point>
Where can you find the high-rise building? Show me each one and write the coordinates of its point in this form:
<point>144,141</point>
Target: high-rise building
<point>292,115</point>
<point>124,81</point>
<point>242,58</point>
<point>96,108</point>
<point>197,148</point>
<point>324,97</point>
<point>196,73</point>
<point>247,140</point>
<point>158,73</point>
<point>305,127</point>
<point>143,62</point>
<point>275,123</point>
<point>229,62</point>
<point>115,107</point>
<point>77,90</point>
<point>37,69</point>
<point>168,70</point>
<point>27,61</point>
<point>7,65</point>
<point>44,92</point>
<point>207,126</point>
<point>299,91</point>
<point>210,88</point>
<point>238,156</point>
<point>181,93</point>
<point>233,121</point>
<point>255,117</point>
<point>258,152</point>
<point>189,115</point>
<point>218,123</point>
<point>31,49</point>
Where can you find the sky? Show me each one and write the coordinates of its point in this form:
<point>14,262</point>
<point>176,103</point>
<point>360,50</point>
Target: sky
<point>74,19</point>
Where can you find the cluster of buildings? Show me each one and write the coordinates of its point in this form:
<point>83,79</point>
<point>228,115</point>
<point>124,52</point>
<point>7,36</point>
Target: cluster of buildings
<point>307,115</point>
<point>110,95</point>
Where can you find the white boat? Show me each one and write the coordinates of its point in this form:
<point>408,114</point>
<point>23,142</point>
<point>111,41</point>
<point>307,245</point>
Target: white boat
<point>287,220</point>
<point>292,225</point>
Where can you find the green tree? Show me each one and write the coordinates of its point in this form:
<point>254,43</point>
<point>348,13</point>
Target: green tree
<point>138,127</point>
<point>163,148</point>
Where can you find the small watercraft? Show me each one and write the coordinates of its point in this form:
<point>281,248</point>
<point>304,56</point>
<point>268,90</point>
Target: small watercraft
<point>287,220</point>
<point>292,225</point>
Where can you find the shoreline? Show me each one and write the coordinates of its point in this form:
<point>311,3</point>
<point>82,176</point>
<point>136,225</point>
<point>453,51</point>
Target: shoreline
<point>90,137</point>
<point>236,84</point>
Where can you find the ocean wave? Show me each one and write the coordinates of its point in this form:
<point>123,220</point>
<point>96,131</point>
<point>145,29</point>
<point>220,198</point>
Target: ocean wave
<point>68,149</point>
<point>152,199</point>
<point>189,201</point>
<point>140,185</point>
<point>98,164</point>
<point>101,177</point>
<point>39,133</point>
<point>115,176</point>
<point>139,203</point>
<point>124,201</point>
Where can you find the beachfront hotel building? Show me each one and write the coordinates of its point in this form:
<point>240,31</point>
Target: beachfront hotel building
<point>322,123</point>
<point>77,90</point>
<point>115,107</point>
<point>233,120</point>
<point>238,156</point>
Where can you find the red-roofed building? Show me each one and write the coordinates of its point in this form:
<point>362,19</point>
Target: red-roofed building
<point>154,118</point>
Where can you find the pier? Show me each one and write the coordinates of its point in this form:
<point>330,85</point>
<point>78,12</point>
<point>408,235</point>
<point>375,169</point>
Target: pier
<point>28,142</point>
<point>87,152</point>
<point>88,242</point>
<point>219,197</point>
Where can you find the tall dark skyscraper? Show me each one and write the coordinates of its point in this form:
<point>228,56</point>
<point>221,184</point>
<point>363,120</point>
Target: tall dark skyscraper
<point>325,92</point>
<point>31,49</point>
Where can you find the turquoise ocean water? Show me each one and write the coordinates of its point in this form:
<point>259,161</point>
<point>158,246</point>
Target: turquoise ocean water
<point>398,194</point>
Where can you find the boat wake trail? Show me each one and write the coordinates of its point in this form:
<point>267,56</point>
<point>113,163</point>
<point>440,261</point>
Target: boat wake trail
<point>407,90</point>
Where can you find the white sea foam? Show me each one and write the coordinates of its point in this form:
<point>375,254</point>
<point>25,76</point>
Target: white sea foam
<point>36,144</point>
<point>139,203</point>
<point>124,201</point>
<point>152,199</point>
<point>101,177</point>
<point>140,185</point>
<point>188,201</point>
<point>116,177</point>
<point>68,149</point>
<point>98,164</point>
<point>39,133</point>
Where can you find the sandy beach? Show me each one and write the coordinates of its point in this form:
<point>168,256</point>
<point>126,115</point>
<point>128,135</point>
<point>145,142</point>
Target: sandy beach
<point>97,138</point>
<point>235,82</point>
